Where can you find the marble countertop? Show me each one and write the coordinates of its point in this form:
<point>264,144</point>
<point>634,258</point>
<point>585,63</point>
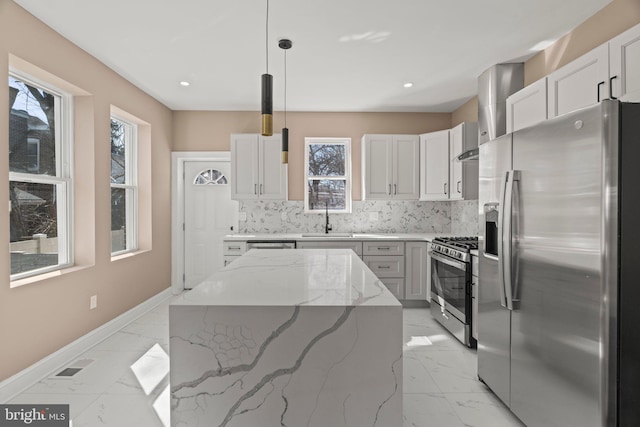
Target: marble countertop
<point>338,236</point>
<point>292,277</point>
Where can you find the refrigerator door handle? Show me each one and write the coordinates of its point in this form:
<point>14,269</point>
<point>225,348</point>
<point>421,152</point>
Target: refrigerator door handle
<point>507,239</point>
<point>502,213</point>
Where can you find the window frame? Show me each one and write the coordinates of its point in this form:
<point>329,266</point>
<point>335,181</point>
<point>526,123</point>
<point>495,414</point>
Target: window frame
<point>63,180</point>
<point>308,141</point>
<point>130,185</point>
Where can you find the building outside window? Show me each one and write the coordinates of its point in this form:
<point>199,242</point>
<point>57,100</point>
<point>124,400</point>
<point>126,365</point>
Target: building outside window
<point>327,175</point>
<point>40,181</point>
<point>124,176</point>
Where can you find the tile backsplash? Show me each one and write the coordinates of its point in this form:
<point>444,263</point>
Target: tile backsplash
<point>392,217</point>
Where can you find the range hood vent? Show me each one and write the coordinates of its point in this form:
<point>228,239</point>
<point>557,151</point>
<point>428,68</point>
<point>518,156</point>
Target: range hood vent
<point>469,155</point>
<point>495,85</point>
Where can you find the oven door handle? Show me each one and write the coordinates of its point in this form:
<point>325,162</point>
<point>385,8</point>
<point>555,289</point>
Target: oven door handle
<point>451,262</point>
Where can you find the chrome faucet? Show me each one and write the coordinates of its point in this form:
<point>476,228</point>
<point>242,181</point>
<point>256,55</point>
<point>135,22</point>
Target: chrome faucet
<point>327,226</point>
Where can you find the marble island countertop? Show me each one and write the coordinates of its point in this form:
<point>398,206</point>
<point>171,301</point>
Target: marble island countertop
<point>290,277</point>
<point>428,237</point>
<point>295,337</point>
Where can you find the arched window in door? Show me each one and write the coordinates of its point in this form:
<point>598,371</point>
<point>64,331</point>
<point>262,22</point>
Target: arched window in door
<point>210,177</point>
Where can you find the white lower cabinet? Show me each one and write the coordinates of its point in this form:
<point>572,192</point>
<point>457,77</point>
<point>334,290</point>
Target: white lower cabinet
<point>390,270</point>
<point>232,250</point>
<point>416,271</point>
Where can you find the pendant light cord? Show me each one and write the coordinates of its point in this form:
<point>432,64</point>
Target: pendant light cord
<point>285,88</point>
<point>267,37</point>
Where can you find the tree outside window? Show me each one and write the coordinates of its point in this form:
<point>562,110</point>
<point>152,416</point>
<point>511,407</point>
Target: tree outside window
<point>328,174</point>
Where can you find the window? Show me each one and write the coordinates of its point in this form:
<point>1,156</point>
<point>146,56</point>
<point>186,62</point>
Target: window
<point>124,190</point>
<point>327,174</point>
<point>40,184</point>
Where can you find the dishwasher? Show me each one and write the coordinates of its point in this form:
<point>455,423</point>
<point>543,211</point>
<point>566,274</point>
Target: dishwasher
<point>271,244</point>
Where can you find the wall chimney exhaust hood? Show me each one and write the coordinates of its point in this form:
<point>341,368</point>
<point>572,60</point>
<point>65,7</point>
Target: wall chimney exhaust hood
<point>495,85</point>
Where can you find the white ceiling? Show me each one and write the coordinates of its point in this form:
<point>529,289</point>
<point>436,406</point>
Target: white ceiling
<point>347,55</point>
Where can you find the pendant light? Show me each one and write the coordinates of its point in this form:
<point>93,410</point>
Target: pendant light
<point>285,44</point>
<point>267,90</point>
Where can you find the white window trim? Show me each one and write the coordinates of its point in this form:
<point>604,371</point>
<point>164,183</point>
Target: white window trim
<point>130,186</point>
<point>347,170</point>
<point>63,106</point>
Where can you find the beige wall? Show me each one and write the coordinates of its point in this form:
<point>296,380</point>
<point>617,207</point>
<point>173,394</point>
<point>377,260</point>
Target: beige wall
<point>39,318</point>
<point>612,20</point>
<point>210,130</point>
<point>468,112</point>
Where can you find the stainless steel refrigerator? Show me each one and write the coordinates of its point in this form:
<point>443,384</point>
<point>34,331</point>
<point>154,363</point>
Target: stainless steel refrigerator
<point>559,282</point>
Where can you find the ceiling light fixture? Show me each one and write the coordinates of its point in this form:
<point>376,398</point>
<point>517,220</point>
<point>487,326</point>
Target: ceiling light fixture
<point>184,83</point>
<point>285,44</point>
<point>267,90</point>
<point>409,84</point>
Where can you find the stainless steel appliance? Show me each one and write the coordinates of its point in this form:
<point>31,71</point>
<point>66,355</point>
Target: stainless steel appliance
<point>271,244</point>
<point>452,286</point>
<point>558,284</point>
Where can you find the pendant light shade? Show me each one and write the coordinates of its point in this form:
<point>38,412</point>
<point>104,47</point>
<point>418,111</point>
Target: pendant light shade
<point>267,88</point>
<point>267,105</point>
<point>285,44</point>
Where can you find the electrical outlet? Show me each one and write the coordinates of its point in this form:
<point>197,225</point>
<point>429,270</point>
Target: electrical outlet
<point>242,216</point>
<point>283,216</point>
<point>93,302</point>
<point>373,216</point>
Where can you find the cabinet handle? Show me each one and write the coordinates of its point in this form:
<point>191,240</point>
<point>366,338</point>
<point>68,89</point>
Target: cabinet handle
<point>381,267</point>
<point>383,248</point>
<point>395,188</point>
<point>445,188</point>
<point>611,87</point>
<point>255,189</point>
<point>260,188</point>
<point>458,187</point>
<point>234,248</point>
<point>598,89</point>
<point>389,189</point>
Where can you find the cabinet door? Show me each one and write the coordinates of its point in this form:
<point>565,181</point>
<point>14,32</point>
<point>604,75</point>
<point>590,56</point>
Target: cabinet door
<point>625,65</point>
<point>416,270</point>
<point>434,166</point>
<point>580,83</point>
<point>395,286</point>
<point>244,166</point>
<point>455,167</point>
<point>377,163</point>
<point>406,167</point>
<point>527,106</point>
<point>272,183</point>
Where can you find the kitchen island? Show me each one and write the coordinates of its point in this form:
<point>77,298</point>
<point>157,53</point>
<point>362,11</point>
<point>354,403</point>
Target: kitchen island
<point>287,338</point>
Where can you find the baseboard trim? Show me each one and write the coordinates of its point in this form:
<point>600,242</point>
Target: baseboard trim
<point>24,379</point>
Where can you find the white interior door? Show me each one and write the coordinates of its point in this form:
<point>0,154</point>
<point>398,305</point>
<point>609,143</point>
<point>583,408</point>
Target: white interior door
<point>209,214</point>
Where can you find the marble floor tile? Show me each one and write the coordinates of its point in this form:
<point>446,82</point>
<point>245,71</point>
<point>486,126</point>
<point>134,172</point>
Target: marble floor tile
<point>429,410</point>
<point>482,410</point>
<point>440,384</point>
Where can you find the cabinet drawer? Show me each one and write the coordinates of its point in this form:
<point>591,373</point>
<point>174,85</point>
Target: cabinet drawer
<point>354,246</point>
<point>386,266</point>
<point>383,248</point>
<point>395,286</point>
<point>233,248</point>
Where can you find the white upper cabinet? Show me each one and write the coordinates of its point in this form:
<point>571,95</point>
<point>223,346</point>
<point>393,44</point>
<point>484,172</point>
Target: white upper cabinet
<point>463,176</point>
<point>580,83</point>
<point>434,165</point>
<point>624,52</point>
<point>527,106</point>
<point>256,169</point>
<point>390,167</point>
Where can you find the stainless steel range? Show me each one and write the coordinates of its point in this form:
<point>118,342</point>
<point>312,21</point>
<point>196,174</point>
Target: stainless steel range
<point>451,285</point>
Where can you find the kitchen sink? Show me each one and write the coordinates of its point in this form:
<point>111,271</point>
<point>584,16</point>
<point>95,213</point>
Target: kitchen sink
<point>327,235</point>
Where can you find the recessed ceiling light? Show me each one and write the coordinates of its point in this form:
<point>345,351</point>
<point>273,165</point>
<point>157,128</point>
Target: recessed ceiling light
<point>183,83</point>
<point>408,84</point>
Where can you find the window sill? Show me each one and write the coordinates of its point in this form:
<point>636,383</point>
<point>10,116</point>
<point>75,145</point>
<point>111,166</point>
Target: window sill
<point>126,255</point>
<point>45,276</point>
